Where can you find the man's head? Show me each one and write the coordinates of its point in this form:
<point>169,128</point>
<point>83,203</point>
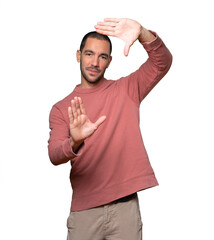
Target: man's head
<point>98,36</point>
<point>94,57</point>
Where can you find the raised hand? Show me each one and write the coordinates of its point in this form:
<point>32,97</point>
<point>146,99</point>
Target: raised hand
<point>126,29</point>
<point>80,125</point>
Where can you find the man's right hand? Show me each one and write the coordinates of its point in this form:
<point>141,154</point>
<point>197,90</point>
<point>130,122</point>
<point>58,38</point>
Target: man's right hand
<point>80,125</point>
<point>126,29</point>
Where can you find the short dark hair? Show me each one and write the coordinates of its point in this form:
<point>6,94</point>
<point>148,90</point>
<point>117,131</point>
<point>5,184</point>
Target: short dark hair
<point>96,35</point>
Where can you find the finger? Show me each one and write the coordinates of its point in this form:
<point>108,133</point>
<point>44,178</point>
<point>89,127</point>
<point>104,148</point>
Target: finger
<point>105,28</point>
<point>100,121</point>
<point>74,110</point>
<point>115,20</point>
<point>77,106</point>
<point>70,115</point>
<point>82,108</point>
<point>126,49</point>
<point>109,33</point>
<point>111,24</point>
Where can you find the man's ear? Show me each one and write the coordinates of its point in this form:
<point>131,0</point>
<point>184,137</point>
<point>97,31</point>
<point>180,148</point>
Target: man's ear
<point>78,55</point>
<point>110,58</point>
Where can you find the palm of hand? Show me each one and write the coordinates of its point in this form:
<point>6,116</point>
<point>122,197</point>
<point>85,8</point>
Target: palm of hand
<point>81,128</point>
<point>80,125</point>
<point>126,29</point>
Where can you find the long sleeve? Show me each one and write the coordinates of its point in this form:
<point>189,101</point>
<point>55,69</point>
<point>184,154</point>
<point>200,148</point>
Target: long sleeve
<point>59,148</point>
<point>141,82</point>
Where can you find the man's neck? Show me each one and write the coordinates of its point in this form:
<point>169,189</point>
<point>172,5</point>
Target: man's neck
<point>86,84</point>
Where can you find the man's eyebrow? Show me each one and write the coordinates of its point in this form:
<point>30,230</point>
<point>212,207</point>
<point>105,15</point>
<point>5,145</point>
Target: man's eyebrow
<point>88,51</point>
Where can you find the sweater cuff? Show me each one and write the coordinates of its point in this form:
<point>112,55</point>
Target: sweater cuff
<point>68,151</point>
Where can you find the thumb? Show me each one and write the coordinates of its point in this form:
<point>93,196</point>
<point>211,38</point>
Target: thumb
<point>100,121</point>
<point>126,49</point>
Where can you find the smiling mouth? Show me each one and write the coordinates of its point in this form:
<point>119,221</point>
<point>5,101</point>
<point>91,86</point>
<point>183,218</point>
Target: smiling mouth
<point>93,70</point>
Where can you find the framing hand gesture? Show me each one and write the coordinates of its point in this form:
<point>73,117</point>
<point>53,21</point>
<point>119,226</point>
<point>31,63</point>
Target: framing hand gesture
<point>80,125</point>
<point>126,29</point>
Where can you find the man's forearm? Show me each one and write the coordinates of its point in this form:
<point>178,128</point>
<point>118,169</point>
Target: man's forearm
<point>146,36</point>
<point>62,151</point>
<point>156,66</point>
<point>76,145</point>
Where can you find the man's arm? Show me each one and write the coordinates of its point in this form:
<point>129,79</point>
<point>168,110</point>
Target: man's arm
<point>141,82</point>
<point>59,143</point>
<point>64,141</point>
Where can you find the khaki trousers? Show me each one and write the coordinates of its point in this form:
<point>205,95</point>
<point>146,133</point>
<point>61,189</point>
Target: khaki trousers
<point>113,221</point>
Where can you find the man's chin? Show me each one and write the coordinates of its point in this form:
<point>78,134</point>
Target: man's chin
<point>95,80</point>
<point>92,78</point>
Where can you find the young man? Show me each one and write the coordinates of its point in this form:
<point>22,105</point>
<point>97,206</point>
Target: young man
<point>96,128</point>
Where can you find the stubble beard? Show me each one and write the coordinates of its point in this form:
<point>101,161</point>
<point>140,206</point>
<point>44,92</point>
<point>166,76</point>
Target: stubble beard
<point>87,78</point>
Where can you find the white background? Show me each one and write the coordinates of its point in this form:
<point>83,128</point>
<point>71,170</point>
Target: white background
<point>38,42</point>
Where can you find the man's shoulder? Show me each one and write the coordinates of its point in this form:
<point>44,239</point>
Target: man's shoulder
<point>65,102</point>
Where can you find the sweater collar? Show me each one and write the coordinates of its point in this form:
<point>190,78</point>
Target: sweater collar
<point>78,89</point>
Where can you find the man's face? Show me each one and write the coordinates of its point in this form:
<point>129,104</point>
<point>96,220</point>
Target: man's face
<point>94,59</point>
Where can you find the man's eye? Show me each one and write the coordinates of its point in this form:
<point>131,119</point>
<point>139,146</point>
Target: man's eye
<point>104,57</point>
<point>88,54</point>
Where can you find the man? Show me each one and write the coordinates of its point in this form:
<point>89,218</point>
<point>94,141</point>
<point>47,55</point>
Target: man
<point>96,128</point>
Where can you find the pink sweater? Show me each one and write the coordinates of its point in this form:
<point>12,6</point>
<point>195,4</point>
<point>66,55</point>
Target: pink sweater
<point>113,162</point>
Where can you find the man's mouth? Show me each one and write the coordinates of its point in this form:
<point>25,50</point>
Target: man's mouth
<point>93,70</point>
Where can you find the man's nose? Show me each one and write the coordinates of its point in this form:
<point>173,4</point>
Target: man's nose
<point>95,61</point>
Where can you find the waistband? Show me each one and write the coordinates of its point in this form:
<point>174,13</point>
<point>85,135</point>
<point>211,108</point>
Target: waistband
<point>126,198</point>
